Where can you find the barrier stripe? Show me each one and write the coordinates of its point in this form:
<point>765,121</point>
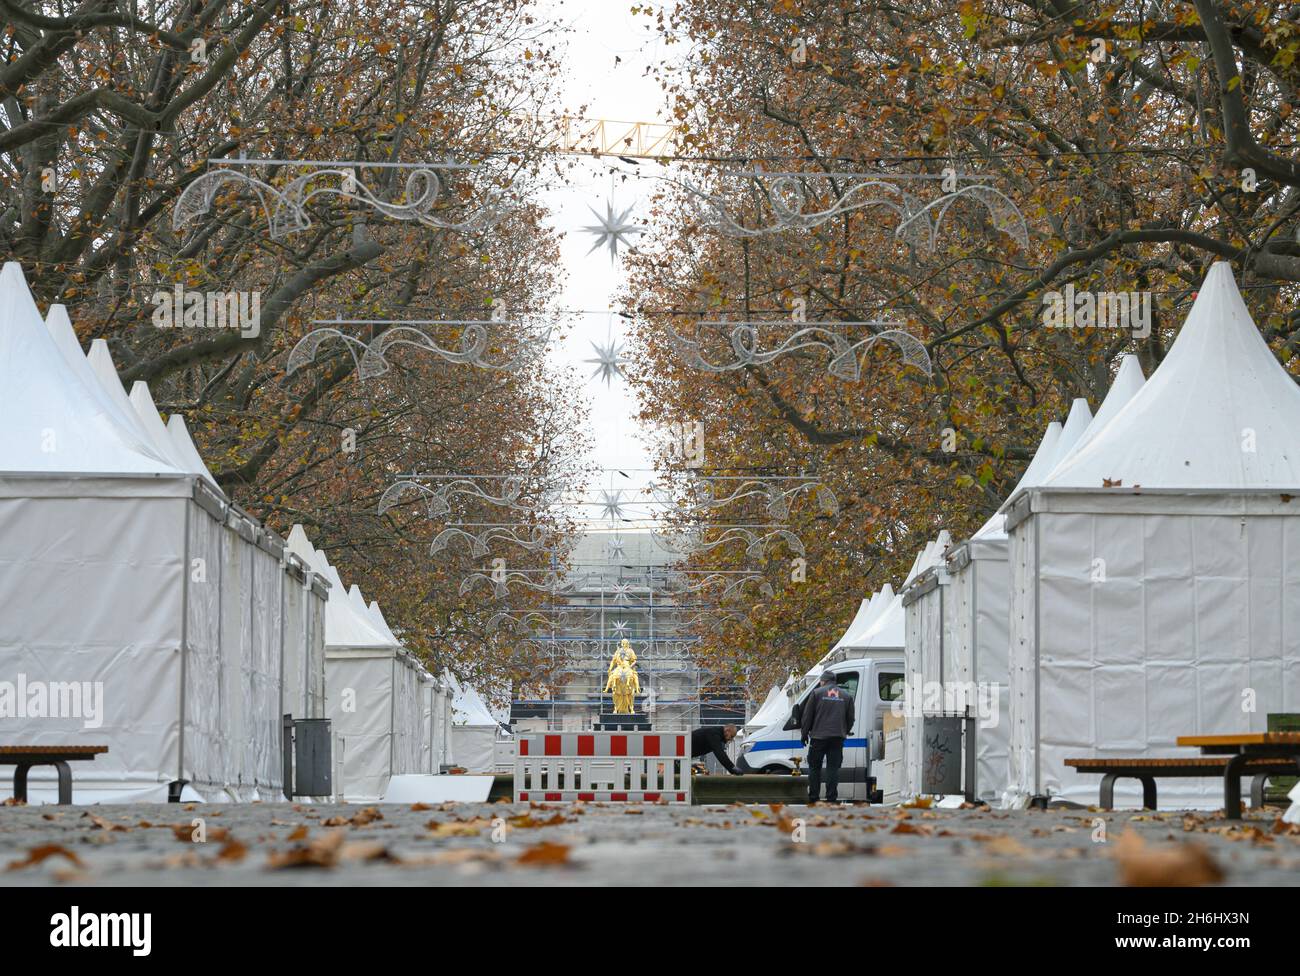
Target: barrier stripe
<point>602,796</point>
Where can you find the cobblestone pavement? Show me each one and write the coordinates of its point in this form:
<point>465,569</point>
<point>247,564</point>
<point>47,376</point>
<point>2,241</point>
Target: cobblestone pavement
<point>593,844</point>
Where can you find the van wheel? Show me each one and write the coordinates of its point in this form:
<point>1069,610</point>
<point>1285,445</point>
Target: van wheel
<point>775,770</point>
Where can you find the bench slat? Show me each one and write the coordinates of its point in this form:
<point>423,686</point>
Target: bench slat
<point>52,750</point>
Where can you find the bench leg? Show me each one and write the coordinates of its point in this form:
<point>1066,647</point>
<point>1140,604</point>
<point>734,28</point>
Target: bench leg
<point>1257,784</point>
<point>1108,791</point>
<point>20,781</point>
<point>1148,792</point>
<point>65,782</point>
<point>1232,786</point>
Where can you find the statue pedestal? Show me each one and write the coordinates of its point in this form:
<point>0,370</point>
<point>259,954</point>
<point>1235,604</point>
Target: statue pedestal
<point>609,722</point>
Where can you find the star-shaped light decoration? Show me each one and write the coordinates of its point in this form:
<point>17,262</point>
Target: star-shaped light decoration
<point>611,504</point>
<point>615,548</point>
<point>622,591</point>
<point>609,360</point>
<point>620,628</point>
<point>613,229</point>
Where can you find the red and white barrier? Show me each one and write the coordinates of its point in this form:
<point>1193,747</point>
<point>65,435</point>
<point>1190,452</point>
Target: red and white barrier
<point>608,767</point>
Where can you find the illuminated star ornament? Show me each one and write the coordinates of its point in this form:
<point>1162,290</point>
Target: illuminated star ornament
<point>620,628</point>
<point>615,548</point>
<point>611,504</point>
<point>613,230</point>
<point>609,360</point>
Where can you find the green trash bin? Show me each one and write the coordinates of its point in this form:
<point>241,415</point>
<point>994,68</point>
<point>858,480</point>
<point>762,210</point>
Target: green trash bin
<point>1280,786</point>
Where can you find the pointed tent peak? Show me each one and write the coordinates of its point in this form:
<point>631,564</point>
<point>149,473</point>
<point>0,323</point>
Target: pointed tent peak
<point>887,631</point>
<point>920,564</point>
<point>59,326</point>
<point>1128,380</point>
<point>147,411</point>
<point>1040,465</point>
<point>1075,424</point>
<point>468,707</point>
<point>298,543</point>
<point>377,615</point>
<point>54,420</point>
<point>184,445</point>
<point>344,626</point>
<point>864,610</point>
<point>1220,413</point>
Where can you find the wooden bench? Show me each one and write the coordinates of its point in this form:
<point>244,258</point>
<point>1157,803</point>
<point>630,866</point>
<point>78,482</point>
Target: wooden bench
<point>1243,751</point>
<point>1147,771</point>
<point>24,758</point>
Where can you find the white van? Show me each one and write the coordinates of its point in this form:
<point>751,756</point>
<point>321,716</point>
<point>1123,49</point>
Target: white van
<point>874,683</point>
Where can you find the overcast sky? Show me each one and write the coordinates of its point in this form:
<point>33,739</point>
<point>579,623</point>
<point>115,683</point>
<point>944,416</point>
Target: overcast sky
<point>608,52</point>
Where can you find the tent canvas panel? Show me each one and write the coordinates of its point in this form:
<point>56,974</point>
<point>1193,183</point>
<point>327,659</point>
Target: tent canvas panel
<point>120,639</point>
<point>202,758</point>
<point>294,679</point>
<point>360,708</point>
<point>1131,629</point>
<point>262,760</point>
<point>474,747</point>
<point>981,634</point>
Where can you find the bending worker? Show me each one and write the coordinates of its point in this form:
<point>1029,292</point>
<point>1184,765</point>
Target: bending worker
<point>826,721</point>
<point>714,739</point>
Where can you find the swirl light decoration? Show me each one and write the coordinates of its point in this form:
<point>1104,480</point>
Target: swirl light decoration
<point>778,491</point>
<point>286,207</point>
<point>756,543</point>
<point>844,355</point>
<point>1003,213</point>
<point>788,197</point>
<point>480,542</point>
<point>473,345</point>
<point>445,488</point>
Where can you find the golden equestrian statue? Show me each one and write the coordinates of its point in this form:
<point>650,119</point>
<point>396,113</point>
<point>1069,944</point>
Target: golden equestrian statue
<point>622,678</point>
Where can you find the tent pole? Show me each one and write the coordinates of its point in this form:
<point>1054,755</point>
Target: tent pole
<point>185,642</point>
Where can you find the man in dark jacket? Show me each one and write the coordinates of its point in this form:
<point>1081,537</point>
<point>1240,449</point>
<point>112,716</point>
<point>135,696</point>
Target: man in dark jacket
<point>714,739</point>
<point>825,722</point>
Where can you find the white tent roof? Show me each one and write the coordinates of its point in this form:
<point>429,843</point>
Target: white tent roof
<point>142,401</point>
<point>53,421</point>
<point>866,609</point>
<point>467,706</point>
<point>101,364</point>
<point>1128,380</point>
<point>184,446</point>
<point>1218,389</point>
<point>60,329</point>
<point>298,543</point>
<point>887,631</point>
<point>773,705</point>
<point>344,627</point>
<point>1040,464</point>
<point>362,610</point>
<point>378,619</point>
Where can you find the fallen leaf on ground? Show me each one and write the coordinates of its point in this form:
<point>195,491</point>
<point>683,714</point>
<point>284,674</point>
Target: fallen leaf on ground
<point>458,828</point>
<point>1006,846</point>
<point>528,820</point>
<point>38,854</point>
<point>99,823</point>
<point>1177,865</point>
<point>359,819</point>
<point>233,851</point>
<point>903,827</point>
<point>544,854</point>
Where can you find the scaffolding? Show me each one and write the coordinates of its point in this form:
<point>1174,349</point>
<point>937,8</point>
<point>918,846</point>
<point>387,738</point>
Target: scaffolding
<point>629,599</point>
